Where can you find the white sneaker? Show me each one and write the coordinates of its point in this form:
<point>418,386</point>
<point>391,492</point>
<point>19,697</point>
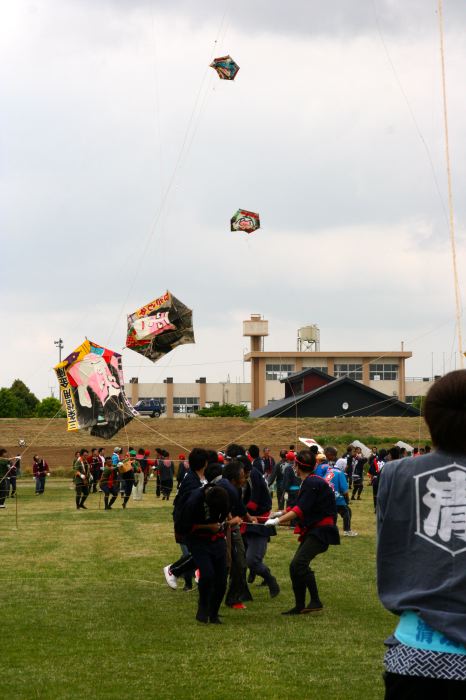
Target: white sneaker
<point>3,506</point>
<point>350,533</point>
<point>169,577</point>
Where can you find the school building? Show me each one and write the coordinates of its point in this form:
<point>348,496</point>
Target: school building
<point>381,370</point>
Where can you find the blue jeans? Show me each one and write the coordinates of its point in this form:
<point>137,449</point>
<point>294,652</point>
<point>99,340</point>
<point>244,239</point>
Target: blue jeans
<point>40,484</point>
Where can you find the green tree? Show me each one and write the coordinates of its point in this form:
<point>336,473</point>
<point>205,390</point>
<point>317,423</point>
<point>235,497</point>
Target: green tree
<point>418,403</point>
<point>27,401</point>
<point>9,404</point>
<point>49,408</point>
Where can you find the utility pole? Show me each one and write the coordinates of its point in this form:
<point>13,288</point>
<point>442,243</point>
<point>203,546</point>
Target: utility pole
<point>59,344</point>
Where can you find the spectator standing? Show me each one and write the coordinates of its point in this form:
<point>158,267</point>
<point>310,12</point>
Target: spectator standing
<point>5,464</point>
<point>421,554</point>
<point>167,472</point>
<point>40,470</point>
<point>276,478</point>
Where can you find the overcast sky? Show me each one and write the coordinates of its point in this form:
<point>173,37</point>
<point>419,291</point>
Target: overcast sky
<point>123,157</point>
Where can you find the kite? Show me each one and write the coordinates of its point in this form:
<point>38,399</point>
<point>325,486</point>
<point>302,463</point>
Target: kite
<point>92,388</point>
<point>158,327</point>
<point>247,221</point>
<point>225,67</point>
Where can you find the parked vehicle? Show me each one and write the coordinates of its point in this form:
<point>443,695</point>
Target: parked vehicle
<point>149,407</point>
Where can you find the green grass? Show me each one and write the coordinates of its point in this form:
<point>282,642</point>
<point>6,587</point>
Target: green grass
<point>86,612</point>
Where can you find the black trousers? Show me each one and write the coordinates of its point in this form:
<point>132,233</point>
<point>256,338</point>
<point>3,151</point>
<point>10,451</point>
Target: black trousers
<point>238,590</point>
<point>302,576</point>
<point>357,489</point>
<point>345,512</point>
<point>211,560</point>
<point>415,687</point>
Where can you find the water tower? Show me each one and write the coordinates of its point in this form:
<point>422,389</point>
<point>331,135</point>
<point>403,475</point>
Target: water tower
<point>256,328</point>
<point>309,338</point>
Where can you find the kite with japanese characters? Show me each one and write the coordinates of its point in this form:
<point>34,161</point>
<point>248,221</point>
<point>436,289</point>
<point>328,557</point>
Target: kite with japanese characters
<point>92,388</point>
<point>243,220</point>
<point>158,327</point>
<point>225,67</point>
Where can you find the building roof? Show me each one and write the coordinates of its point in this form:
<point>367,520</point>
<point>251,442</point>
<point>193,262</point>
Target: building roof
<point>379,355</point>
<point>297,376</point>
<point>374,396</point>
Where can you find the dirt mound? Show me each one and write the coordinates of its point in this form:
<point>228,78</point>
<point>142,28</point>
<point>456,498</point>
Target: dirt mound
<point>50,439</point>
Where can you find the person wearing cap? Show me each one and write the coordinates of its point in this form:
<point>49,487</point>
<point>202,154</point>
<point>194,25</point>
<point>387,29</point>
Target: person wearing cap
<point>109,482</point>
<point>183,468</point>
<point>116,456</point>
<point>315,512</point>
<point>291,481</point>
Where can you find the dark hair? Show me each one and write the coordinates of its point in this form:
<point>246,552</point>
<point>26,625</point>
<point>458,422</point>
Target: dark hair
<point>82,451</point>
<point>212,456</point>
<point>234,450</point>
<point>394,452</point>
<point>328,450</point>
<point>218,501</point>
<point>445,411</point>
<point>244,461</point>
<point>254,451</point>
<point>212,471</point>
<point>108,457</point>
<point>232,471</point>
<point>283,453</point>
<point>2,451</point>
<point>101,449</point>
<point>197,458</point>
<point>313,450</point>
<point>382,454</point>
<point>141,450</point>
<point>306,460</point>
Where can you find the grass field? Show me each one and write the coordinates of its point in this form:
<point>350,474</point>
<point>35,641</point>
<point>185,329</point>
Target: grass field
<point>86,612</point>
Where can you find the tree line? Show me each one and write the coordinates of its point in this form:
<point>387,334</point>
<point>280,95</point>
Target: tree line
<point>18,401</point>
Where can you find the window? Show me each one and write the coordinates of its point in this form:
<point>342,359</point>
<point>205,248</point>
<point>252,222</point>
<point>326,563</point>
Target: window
<point>186,404</point>
<point>351,371</point>
<point>278,371</point>
<point>383,371</point>
<point>410,399</point>
<point>159,399</point>
<point>321,369</point>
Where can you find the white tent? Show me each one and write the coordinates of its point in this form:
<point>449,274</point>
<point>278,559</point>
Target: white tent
<point>365,450</point>
<point>310,441</point>
<point>407,447</point>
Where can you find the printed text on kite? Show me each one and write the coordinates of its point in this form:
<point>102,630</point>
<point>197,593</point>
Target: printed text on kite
<point>158,327</point>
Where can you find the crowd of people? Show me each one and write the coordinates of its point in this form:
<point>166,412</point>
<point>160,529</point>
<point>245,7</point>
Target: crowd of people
<point>224,521</point>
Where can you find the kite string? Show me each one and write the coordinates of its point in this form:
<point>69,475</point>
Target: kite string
<point>450,190</point>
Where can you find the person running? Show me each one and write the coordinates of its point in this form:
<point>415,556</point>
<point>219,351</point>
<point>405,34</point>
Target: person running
<point>109,483</point>
<point>40,471</point>
<point>315,511</point>
<point>421,554</point>
<point>81,479</point>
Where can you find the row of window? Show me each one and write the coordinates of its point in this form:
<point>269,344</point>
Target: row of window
<point>377,372</point>
<point>181,404</point>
